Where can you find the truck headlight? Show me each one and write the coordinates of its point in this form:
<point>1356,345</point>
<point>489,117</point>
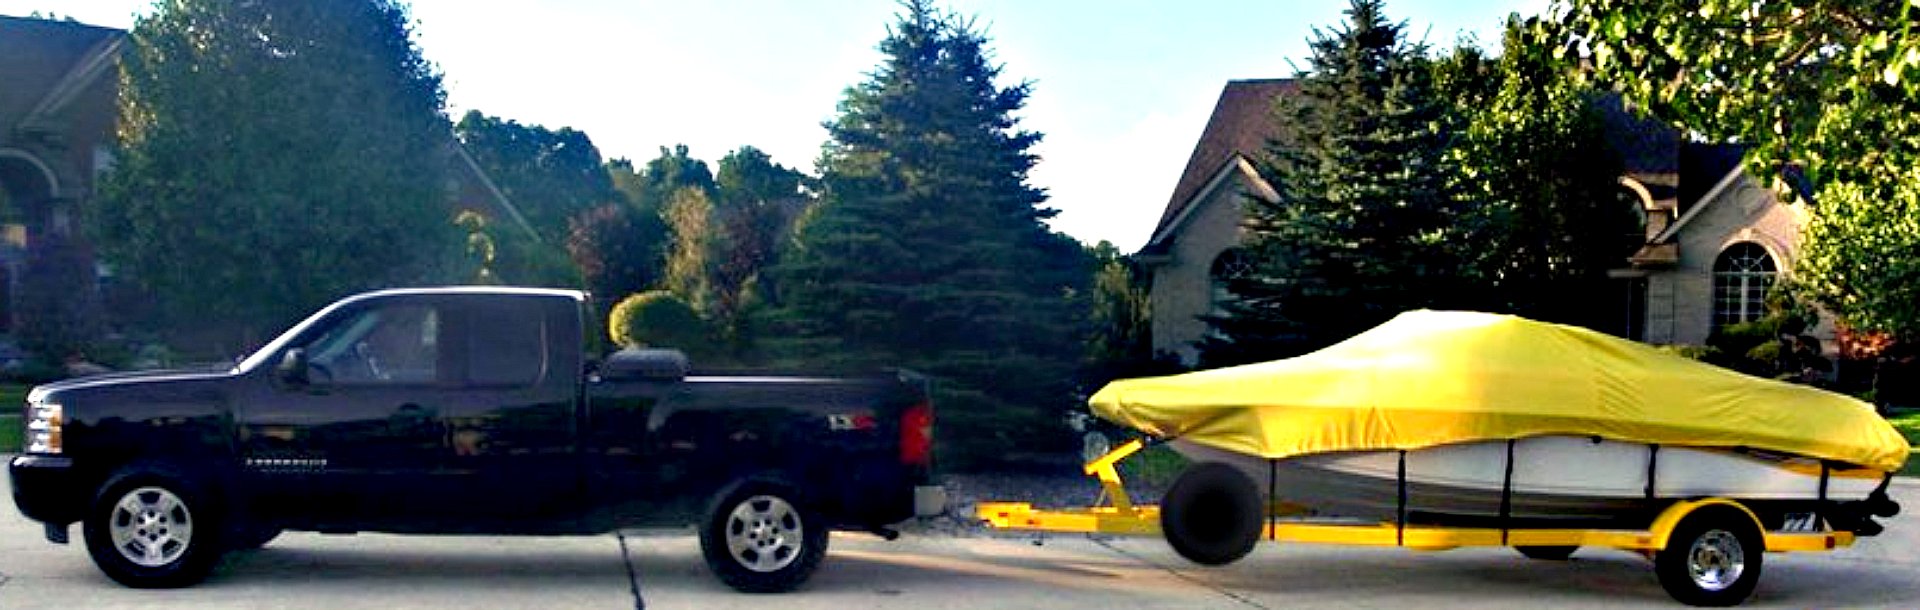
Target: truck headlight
<point>43,427</point>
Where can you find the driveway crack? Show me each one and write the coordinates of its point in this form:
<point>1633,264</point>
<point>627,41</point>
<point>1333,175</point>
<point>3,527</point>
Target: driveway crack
<point>1223,591</point>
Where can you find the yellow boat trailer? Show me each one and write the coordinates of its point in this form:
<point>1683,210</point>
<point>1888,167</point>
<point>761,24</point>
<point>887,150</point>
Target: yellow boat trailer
<point>1116,513</point>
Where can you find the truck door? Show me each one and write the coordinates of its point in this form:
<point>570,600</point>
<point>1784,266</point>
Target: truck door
<point>511,431</point>
<point>359,438</point>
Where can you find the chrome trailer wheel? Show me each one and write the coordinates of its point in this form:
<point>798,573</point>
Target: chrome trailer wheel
<point>1713,558</point>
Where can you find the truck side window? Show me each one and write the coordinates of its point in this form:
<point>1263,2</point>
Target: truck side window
<point>507,345</point>
<point>395,344</point>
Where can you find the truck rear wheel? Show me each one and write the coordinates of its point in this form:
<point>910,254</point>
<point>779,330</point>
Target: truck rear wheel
<point>152,527</point>
<point>1712,558</point>
<point>1212,515</point>
<point>759,539</point>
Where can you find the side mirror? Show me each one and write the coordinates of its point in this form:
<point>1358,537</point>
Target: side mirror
<point>293,367</point>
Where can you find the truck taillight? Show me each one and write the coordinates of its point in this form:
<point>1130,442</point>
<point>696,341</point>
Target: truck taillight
<point>916,435</point>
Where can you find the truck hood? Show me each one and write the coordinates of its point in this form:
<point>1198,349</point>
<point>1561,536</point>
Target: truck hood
<point>127,378</point>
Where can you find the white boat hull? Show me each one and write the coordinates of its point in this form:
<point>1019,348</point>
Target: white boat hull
<point>1554,478</point>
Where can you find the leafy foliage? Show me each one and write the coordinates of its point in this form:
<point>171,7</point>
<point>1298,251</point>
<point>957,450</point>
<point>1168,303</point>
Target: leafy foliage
<point>1366,224</point>
<point>928,248</point>
<point>275,156</point>
<point>618,249</point>
<point>689,271</point>
<point>551,176</point>
<point>654,186</point>
<point>1822,93</point>
<point>1543,204</point>
<point>1119,341</point>
<point>758,202</point>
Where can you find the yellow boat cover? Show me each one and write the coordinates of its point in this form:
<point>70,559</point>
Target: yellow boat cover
<point>1430,378</point>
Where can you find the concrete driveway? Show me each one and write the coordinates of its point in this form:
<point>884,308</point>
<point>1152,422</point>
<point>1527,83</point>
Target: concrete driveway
<point>930,572</point>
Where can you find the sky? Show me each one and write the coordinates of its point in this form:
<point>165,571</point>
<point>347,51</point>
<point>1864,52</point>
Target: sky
<point>1121,88</point>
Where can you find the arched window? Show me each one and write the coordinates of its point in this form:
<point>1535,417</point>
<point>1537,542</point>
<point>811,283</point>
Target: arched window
<point>1741,277</point>
<point>1230,264</point>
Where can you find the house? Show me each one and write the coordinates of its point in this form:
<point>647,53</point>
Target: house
<point>1715,239</point>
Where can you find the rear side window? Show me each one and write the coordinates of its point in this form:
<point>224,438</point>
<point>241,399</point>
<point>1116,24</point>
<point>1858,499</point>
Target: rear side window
<point>507,343</point>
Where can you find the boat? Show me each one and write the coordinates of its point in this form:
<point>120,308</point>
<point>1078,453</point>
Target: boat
<point>1474,419</point>
<point>1556,481</point>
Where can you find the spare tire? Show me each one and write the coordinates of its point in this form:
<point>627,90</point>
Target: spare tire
<point>1213,514</point>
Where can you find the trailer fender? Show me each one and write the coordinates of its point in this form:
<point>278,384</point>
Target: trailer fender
<point>1662,528</point>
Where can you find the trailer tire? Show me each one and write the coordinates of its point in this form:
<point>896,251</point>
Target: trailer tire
<point>1213,514</point>
<point>1712,558</point>
<point>1547,553</point>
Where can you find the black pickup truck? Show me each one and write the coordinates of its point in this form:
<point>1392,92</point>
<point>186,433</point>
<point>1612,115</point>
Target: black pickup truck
<point>470,410</point>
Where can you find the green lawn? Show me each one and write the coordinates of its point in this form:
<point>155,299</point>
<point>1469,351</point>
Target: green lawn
<point>10,433</point>
<point>13,398</point>
<point>1909,426</point>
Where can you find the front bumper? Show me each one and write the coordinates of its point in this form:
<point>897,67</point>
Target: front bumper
<point>45,489</point>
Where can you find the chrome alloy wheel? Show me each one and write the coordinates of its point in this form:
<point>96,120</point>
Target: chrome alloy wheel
<point>1716,560</point>
<point>764,533</point>
<point>151,527</point>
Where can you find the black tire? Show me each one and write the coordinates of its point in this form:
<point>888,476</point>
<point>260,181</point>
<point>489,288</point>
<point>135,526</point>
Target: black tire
<point>1547,553</point>
<point>1730,549</point>
<point>1213,514</point>
<point>161,515</point>
<point>761,538</point>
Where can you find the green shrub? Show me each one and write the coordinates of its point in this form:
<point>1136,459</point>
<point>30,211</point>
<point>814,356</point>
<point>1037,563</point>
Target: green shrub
<point>1702,353</point>
<point>658,319</point>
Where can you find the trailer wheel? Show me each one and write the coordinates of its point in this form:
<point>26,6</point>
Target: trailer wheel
<point>1712,558</point>
<point>1212,515</point>
<point>1547,553</point>
<point>760,539</point>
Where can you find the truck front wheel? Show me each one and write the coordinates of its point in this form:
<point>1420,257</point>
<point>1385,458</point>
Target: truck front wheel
<point>759,539</point>
<point>152,527</point>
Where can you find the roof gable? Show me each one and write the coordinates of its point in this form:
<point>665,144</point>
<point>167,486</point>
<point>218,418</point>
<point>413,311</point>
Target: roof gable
<point>1241,125</point>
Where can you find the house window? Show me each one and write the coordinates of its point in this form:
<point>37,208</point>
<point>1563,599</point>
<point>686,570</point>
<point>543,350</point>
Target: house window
<point>1741,277</point>
<point>1230,264</point>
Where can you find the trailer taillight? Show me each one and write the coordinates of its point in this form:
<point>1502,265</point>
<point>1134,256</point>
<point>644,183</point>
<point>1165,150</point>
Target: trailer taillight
<point>916,435</point>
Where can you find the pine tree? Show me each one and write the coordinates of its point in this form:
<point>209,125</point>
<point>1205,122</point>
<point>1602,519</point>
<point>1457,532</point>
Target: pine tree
<point>1361,229</point>
<point>928,249</point>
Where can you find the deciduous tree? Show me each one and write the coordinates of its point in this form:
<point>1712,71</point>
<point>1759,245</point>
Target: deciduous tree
<point>275,156</point>
<point>1539,183</point>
